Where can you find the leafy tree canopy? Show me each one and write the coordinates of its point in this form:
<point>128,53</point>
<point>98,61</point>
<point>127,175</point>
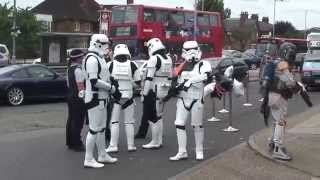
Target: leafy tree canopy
<point>28,41</point>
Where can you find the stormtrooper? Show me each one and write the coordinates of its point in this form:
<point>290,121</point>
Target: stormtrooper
<point>156,87</point>
<point>127,76</point>
<point>191,81</point>
<point>98,88</point>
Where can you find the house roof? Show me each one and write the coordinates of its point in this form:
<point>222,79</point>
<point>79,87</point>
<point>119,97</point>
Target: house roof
<point>233,23</point>
<point>265,27</point>
<point>69,9</point>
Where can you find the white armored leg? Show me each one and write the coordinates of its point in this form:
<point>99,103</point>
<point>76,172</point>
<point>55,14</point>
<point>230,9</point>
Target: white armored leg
<point>130,137</point>
<point>89,160</point>
<point>279,151</point>
<point>199,136</point>
<point>103,156</point>
<point>129,127</point>
<point>182,143</point>
<point>181,117</point>
<point>114,129</point>
<point>160,136</point>
<point>154,143</point>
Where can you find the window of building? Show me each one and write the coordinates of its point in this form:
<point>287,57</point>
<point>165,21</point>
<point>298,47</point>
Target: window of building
<point>76,26</point>
<point>87,27</point>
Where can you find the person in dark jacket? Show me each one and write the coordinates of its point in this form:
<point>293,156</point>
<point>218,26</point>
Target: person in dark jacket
<point>76,106</point>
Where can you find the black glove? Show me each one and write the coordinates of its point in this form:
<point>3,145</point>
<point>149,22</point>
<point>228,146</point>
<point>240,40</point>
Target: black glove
<point>117,94</point>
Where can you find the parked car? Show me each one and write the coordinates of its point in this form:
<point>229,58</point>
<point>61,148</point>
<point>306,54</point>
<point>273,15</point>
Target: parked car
<point>4,55</point>
<point>224,63</point>
<point>299,60</point>
<point>251,60</point>
<point>231,53</point>
<point>311,70</point>
<point>30,81</point>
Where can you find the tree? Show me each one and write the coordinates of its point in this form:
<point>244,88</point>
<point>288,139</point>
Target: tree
<point>244,34</point>
<point>214,6</point>
<point>286,29</point>
<point>28,42</point>
<point>211,5</point>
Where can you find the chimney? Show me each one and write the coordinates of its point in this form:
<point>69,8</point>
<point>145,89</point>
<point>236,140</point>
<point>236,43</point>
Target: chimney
<point>255,17</point>
<point>265,20</point>
<point>129,1</point>
<point>243,17</point>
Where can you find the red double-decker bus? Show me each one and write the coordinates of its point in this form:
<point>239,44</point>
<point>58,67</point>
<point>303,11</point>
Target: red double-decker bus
<point>271,45</point>
<point>134,25</point>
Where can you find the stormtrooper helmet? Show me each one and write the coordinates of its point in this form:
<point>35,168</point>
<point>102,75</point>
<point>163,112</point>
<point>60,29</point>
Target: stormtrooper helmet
<point>99,43</point>
<point>121,53</point>
<point>154,45</point>
<point>191,51</point>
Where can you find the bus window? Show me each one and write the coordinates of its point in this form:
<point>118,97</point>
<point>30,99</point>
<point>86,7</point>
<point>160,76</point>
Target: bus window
<point>163,17</point>
<point>124,14</point>
<point>149,15</point>
<point>123,31</point>
<point>203,20</point>
<point>176,18</point>
<point>189,19</point>
<point>204,31</point>
<point>206,48</point>
<point>213,20</point>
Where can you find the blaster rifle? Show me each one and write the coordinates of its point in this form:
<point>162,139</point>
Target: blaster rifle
<point>174,91</point>
<point>304,94</point>
<point>117,94</point>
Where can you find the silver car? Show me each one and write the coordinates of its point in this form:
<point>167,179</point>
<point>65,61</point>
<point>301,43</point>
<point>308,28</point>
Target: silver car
<point>4,55</point>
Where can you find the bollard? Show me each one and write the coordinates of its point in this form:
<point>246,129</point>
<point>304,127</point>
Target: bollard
<point>247,104</point>
<point>224,110</point>
<point>214,119</point>
<point>230,128</point>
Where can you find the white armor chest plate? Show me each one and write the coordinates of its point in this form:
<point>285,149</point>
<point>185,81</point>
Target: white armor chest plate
<point>104,76</point>
<point>165,69</point>
<point>161,78</point>
<point>196,89</point>
<point>122,72</point>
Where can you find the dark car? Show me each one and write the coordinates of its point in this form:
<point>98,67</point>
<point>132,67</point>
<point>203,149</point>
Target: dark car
<point>251,60</point>
<point>224,63</point>
<point>30,81</point>
<point>311,70</point>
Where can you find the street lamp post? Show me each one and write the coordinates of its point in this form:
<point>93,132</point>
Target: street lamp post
<point>195,21</point>
<point>274,18</point>
<point>14,33</point>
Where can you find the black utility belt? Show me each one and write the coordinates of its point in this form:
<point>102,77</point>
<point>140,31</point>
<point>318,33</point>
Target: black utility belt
<point>125,104</point>
<point>95,102</point>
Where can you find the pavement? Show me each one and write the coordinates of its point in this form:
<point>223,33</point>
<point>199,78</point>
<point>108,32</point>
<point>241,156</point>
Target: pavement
<point>252,160</point>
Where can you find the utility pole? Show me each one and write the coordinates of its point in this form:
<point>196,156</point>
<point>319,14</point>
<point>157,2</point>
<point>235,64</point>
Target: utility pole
<point>14,33</point>
<point>195,21</point>
<point>305,23</point>
<point>274,18</point>
<point>202,5</point>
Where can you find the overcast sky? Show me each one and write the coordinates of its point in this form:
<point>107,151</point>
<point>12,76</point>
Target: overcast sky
<point>289,10</point>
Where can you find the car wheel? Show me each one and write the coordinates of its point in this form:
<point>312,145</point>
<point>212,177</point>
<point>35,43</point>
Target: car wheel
<point>15,96</point>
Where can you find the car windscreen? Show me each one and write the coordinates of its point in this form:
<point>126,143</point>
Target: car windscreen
<point>7,69</point>
<point>314,64</point>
